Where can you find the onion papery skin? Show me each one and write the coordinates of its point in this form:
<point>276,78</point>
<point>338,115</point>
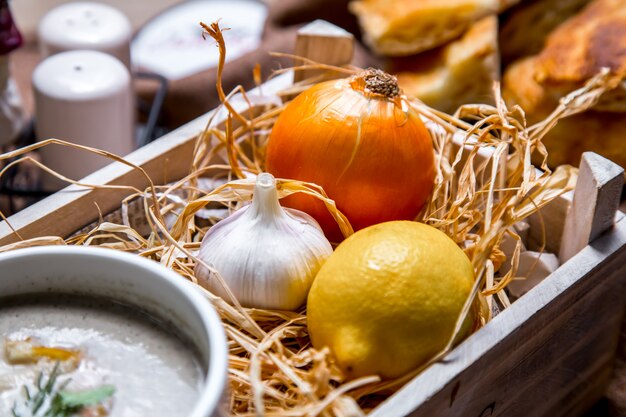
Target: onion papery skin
<point>374,159</point>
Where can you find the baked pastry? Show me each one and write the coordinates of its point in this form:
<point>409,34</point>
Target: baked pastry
<point>520,87</point>
<point>525,27</point>
<point>576,51</point>
<point>406,27</point>
<point>579,48</point>
<point>600,132</point>
<point>462,72</point>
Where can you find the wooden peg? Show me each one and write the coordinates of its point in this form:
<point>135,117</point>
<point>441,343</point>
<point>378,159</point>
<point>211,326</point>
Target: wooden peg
<point>596,199</point>
<point>323,43</point>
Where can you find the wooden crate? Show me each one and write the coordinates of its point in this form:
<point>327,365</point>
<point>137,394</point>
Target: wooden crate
<point>549,354</point>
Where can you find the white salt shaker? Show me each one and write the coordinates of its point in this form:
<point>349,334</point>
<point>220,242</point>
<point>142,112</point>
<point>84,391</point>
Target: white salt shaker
<point>82,97</point>
<point>84,25</point>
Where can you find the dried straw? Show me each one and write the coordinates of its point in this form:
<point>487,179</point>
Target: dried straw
<point>485,184</point>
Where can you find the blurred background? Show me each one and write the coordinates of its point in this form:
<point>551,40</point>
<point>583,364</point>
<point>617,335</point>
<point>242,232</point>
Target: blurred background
<point>28,13</point>
<point>445,53</point>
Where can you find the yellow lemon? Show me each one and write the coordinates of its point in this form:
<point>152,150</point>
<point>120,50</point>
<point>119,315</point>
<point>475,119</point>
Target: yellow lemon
<point>388,298</point>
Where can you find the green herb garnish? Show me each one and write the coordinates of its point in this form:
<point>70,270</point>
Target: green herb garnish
<point>51,400</point>
<point>84,398</point>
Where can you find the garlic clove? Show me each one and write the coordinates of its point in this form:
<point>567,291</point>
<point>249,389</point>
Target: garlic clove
<point>266,254</point>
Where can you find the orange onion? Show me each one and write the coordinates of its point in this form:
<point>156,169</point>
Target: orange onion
<point>354,138</point>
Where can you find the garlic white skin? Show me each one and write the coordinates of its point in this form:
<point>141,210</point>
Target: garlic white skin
<point>268,255</point>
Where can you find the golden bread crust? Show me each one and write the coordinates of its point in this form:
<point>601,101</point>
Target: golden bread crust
<point>576,51</point>
<point>582,46</point>
<point>600,132</point>
<point>461,72</point>
<point>519,87</point>
<point>405,27</point>
<point>526,26</point>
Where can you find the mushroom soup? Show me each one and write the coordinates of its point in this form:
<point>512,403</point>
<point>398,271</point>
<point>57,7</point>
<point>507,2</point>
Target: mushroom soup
<point>100,357</point>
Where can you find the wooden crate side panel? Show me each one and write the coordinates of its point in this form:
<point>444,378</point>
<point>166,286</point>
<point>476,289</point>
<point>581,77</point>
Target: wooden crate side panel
<point>537,355</point>
<point>591,386</point>
<point>539,365</point>
<point>573,348</point>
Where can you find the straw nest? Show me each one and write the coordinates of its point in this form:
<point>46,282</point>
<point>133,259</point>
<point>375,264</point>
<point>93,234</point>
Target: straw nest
<point>485,183</point>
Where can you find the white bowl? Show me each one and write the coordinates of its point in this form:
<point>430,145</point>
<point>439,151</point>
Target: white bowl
<point>135,281</point>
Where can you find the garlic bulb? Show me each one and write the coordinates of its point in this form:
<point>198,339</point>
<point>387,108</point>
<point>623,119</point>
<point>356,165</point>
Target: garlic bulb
<point>268,255</point>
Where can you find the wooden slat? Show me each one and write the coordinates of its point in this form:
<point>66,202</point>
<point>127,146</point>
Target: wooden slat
<point>323,43</point>
<point>559,369</point>
<point>596,199</point>
<point>615,393</point>
<point>590,387</point>
<point>553,340</point>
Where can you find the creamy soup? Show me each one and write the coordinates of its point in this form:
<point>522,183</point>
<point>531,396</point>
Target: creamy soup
<point>153,372</point>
